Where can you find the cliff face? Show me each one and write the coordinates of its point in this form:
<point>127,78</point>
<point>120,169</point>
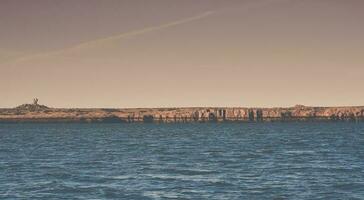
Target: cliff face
<point>36,113</point>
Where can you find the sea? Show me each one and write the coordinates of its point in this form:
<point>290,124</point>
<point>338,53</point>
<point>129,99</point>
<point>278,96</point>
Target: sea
<point>278,160</point>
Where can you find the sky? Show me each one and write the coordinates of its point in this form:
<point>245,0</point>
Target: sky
<point>182,53</point>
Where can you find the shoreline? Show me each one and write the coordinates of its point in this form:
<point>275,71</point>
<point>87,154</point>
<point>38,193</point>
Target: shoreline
<point>41,113</point>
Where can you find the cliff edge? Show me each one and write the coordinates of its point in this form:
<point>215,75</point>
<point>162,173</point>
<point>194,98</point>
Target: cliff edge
<point>40,113</point>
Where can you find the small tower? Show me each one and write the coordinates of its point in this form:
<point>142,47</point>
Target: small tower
<point>35,101</point>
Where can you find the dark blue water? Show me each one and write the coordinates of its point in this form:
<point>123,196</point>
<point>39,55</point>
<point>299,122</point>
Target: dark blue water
<point>182,161</point>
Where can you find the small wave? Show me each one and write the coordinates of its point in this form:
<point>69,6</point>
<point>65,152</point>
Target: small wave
<point>121,177</point>
<point>189,172</point>
<point>299,152</point>
<point>162,194</point>
<point>194,178</point>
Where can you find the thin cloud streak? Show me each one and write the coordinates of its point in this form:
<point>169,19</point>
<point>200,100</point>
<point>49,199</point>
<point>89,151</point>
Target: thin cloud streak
<point>143,31</point>
<point>101,41</point>
<point>126,35</point>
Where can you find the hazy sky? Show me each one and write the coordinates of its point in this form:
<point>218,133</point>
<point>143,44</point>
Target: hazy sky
<point>163,53</point>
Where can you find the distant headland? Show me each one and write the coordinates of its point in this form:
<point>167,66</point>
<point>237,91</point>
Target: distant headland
<point>40,113</point>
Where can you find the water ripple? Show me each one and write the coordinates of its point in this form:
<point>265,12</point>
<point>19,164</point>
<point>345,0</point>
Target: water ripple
<point>182,161</point>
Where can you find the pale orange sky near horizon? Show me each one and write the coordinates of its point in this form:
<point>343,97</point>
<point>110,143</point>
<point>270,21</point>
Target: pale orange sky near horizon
<point>173,53</point>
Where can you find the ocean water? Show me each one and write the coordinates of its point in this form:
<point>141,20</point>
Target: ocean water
<point>182,161</point>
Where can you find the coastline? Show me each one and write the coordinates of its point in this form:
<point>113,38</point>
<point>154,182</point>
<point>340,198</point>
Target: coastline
<point>40,113</point>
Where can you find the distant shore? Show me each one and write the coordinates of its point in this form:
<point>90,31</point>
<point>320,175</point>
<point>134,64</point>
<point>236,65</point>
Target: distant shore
<point>40,113</point>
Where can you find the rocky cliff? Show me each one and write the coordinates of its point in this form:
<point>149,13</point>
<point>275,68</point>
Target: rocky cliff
<point>40,113</point>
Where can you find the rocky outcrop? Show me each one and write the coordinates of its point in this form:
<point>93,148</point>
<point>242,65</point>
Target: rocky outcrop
<point>32,107</point>
<point>36,112</point>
